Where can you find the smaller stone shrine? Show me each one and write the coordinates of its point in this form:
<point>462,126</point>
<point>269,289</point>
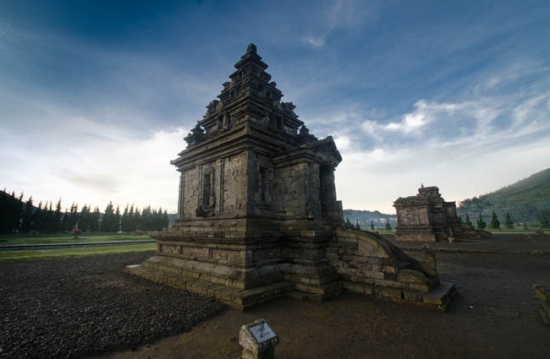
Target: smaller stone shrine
<point>426,217</point>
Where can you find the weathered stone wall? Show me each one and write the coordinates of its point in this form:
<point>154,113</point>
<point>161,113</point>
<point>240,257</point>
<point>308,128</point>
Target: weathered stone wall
<point>374,266</point>
<point>289,200</point>
<point>227,194</point>
<point>191,192</point>
<point>233,185</point>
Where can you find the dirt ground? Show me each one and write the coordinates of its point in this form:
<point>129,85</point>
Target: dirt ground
<point>494,315</point>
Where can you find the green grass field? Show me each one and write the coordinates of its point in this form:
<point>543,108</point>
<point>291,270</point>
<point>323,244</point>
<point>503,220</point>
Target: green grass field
<point>74,252</point>
<point>25,238</point>
<point>22,239</point>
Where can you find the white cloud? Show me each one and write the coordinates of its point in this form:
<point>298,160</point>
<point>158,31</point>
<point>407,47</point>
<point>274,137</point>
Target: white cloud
<point>52,151</point>
<point>411,123</point>
<point>348,13</point>
<point>343,143</point>
<point>95,170</point>
<point>340,14</point>
<point>314,42</point>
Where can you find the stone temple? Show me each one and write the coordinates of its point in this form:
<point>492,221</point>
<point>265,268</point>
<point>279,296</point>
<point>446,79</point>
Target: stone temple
<point>258,215</point>
<point>427,217</point>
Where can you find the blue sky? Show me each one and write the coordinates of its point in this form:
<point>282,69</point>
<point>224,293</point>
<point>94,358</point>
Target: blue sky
<point>96,96</point>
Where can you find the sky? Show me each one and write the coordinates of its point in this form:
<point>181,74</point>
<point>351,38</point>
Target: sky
<point>96,96</point>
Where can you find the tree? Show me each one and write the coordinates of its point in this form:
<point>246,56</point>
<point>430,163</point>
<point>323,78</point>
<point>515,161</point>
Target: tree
<point>165,220</point>
<point>84,218</point>
<point>10,212</point>
<point>544,220</point>
<point>388,225</point>
<point>146,219</point>
<point>48,219</point>
<point>94,220</point>
<point>509,224</point>
<point>57,217</point>
<point>495,223</point>
<point>468,220</point>
<point>125,219</point>
<point>73,216</point>
<point>481,224</point>
<point>26,225</point>
<point>372,225</point>
<point>117,219</point>
<point>109,221</point>
<point>65,225</point>
<point>347,224</point>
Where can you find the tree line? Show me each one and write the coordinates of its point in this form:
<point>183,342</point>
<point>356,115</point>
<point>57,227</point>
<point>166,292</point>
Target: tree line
<point>508,223</point>
<point>17,215</point>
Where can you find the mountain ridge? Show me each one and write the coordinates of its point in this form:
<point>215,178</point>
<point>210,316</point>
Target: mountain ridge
<point>524,200</point>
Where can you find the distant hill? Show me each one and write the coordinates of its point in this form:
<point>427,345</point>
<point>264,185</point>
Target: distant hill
<point>524,200</point>
<point>365,217</point>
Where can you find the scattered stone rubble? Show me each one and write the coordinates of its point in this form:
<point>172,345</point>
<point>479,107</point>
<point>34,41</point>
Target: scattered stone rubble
<point>258,215</point>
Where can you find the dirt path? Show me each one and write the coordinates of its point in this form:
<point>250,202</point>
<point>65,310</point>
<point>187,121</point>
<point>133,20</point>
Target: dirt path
<point>494,316</point>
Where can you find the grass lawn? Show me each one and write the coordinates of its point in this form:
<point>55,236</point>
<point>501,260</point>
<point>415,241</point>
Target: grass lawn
<point>26,238</point>
<point>71,252</point>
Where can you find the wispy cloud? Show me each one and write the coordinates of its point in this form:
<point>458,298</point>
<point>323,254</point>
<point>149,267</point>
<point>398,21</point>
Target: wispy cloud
<point>8,37</point>
<point>346,15</point>
<point>315,42</point>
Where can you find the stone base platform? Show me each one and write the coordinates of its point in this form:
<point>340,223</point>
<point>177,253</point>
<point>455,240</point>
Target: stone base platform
<point>437,299</point>
<point>235,298</point>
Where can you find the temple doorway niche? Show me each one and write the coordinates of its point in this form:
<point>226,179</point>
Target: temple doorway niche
<point>327,193</point>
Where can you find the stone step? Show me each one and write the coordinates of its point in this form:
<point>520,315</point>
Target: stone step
<point>438,298</point>
<point>235,298</point>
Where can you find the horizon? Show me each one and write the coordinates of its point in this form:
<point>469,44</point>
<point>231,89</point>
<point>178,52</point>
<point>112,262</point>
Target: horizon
<point>97,96</point>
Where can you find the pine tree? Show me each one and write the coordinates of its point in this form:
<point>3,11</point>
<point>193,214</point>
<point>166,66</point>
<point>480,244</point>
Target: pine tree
<point>146,219</point>
<point>468,220</point>
<point>480,222</point>
<point>509,224</point>
<point>37,220</point>
<point>10,212</point>
<point>57,217</point>
<point>65,225</point>
<point>73,217</point>
<point>372,225</point>
<point>95,217</point>
<point>84,219</point>
<point>165,220</point>
<point>348,224</point>
<point>125,219</point>
<point>26,225</point>
<point>495,223</point>
<point>48,218</point>
<point>117,219</point>
<point>388,225</point>
<point>137,220</point>
<point>108,223</point>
